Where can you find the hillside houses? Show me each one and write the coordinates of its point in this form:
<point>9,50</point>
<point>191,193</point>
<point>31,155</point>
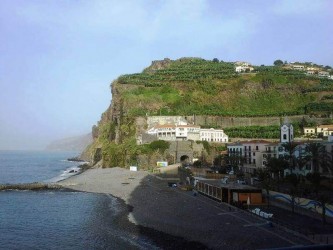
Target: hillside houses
<point>241,67</point>
<point>319,131</point>
<point>254,154</point>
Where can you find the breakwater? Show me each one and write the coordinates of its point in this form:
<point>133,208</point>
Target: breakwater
<point>35,186</point>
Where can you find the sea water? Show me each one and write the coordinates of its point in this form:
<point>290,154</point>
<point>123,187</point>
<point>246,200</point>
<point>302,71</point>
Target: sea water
<point>59,219</point>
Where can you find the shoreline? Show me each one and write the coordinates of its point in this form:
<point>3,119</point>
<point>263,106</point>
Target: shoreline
<point>196,219</point>
<point>122,185</point>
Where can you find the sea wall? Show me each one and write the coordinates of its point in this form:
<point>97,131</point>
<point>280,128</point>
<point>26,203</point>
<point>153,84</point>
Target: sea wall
<point>29,186</point>
<point>311,205</point>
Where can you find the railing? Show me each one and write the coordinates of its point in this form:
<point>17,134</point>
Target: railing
<point>210,190</point>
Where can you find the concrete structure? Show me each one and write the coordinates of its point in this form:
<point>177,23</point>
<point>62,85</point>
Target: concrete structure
<point>213,135</point>
<point>175,132</point>
<point>181,131</point>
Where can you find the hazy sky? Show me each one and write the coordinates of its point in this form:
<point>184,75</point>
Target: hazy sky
<point>58,58</point>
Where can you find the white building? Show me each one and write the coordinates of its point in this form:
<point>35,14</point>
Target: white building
<point>298,67</point>
<point>309,131</point>
<point>213,135</point>
<point>325,130</point>
<point>187,132</point>
<point>175,132</point>
<point>323,74</point>
<point>240,69</point>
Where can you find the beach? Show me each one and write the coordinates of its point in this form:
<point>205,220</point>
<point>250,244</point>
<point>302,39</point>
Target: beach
<point>206,223</point>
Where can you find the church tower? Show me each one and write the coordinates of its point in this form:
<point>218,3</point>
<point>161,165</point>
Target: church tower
<point>286,132</point>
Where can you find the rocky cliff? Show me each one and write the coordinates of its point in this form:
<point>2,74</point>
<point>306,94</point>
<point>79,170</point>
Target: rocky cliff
<point>206,93</point>
<point>77,143</point>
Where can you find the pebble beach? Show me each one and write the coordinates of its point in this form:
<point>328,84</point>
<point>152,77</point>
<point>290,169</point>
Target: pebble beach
<point>202,222</point>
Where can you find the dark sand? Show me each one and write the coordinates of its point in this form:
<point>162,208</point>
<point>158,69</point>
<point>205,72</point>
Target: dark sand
<point>177,219</point>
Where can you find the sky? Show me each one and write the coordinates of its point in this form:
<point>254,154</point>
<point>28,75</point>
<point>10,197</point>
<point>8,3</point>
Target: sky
<point>58,58</point>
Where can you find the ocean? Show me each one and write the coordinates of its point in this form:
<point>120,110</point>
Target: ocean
<point>60,219</point>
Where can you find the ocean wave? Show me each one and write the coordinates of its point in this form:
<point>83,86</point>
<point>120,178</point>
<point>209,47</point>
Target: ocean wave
<point>69,172</point>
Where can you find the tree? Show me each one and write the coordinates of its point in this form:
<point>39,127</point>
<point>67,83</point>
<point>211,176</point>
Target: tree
<point>290,148</point>
<point>265,181</point>
<point>321,197</point>
<point>293,181</point>
<point>276,166</point>
<point>316,152</point>
<point>278,62</point>
<point>215,60</point>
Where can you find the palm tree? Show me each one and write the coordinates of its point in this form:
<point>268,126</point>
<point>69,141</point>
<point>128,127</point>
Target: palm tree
<point>293,180</point>
<point>316,152</point>
<point>290,148</point>
<point>265,181</point>
<point>327,163</point>
<point>276,166</point>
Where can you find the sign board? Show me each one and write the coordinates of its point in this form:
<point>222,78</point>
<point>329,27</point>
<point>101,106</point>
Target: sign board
<point>162,164</point>
<point>133,168</point>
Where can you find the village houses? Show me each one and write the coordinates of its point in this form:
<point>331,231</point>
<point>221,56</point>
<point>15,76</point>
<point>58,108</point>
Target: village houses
<point>254,154</point>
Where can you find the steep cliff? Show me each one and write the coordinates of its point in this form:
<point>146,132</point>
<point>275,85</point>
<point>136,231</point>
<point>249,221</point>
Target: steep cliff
<point>210,90</point>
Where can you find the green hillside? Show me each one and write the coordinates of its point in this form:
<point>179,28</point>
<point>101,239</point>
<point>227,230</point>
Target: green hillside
<point>191,86</point>
<point>197,86</point>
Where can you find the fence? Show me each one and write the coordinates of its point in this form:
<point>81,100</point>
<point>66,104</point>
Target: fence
<point>210,190</point>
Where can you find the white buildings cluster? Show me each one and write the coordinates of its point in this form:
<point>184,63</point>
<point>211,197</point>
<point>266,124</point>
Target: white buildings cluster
<point>321,130</point>
<point>311,70</point>
<point>181,131</point>
<point>241,67</point>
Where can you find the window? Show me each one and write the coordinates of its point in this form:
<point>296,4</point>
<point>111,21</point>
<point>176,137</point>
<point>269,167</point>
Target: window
<point>284,137</point>
<point>257,147</point>
<point>254,161</point>
<point>254,154</point>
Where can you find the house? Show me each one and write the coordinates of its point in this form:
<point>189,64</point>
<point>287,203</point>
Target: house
<point>175,132</point>
<point>271,151</point>
<point>310,72</point>
<point>243,67</point>
<point>240,69</point>
<point>313,69</point>
<point>298,67</point>
<point>213,135</point>
<point>325,130</point>
<point>323,74</point>
<point>308,131</point>
<point>253,155</point>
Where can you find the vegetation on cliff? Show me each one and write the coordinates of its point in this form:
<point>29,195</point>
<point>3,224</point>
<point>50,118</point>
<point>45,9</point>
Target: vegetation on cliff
<point>196,86</point>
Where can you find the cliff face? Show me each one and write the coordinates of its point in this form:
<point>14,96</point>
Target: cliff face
<point>77,143</point>
<point>209,93</point>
